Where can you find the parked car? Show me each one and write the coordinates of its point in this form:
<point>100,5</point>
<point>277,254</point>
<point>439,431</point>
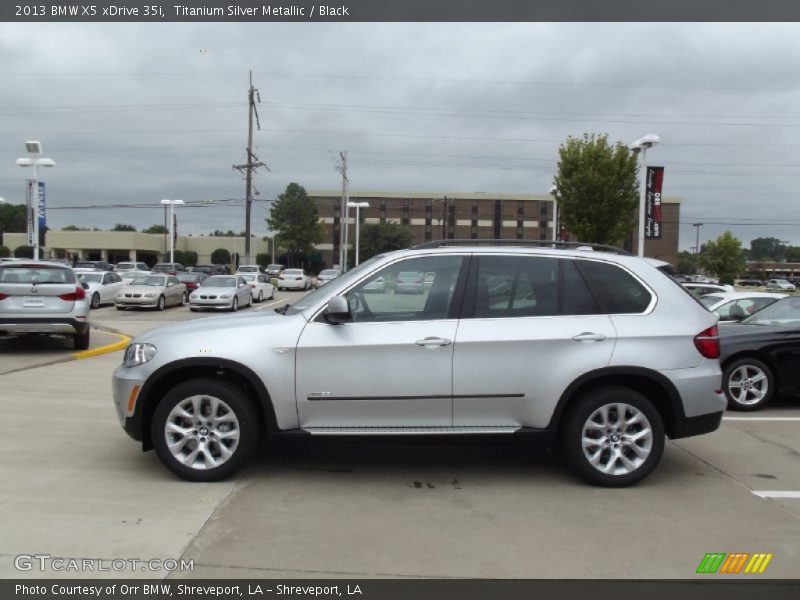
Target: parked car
<point>327,275</point>
<point>101,286</point>
<point>605,371</point>
<point>294,279</point>
<point>761,356</point>
<point>192,280</point>
<point>260,287</point>
<point>128,276</point>
<point>750,283</point>
<point>168,268</point>
<point>275,269</point>
<point>249,269</point>
<point>409,282</point>
<point>221,292</point>
<point>94,264</point>
<point>737,306</point>
<point>780,284</point>
<point>701,289</point>
<point>376,286</point>
<point>151,290</point>
<point>40,297</point>
<point>208,269</point>
<point>131,266</point>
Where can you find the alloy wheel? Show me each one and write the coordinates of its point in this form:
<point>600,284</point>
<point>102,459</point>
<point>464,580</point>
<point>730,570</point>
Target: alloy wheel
<point>617,439</point>
<point>202,432</point>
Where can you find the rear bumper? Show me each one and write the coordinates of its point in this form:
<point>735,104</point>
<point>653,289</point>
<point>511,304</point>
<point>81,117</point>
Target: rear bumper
<point>699,425</point>
<point>54,325</point>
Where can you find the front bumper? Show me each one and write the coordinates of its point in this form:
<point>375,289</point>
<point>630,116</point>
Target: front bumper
<point>126,384</point>
<point>211,304</point>
<point>137,302</point>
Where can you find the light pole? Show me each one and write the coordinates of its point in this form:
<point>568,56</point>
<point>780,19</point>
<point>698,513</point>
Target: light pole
<point>640,146</point>
<point>553,191</point>
<point>171,204</point>
<point>358,206</point>
<point>697,227</point>
<point>2,223</point>
<point>35,160</point>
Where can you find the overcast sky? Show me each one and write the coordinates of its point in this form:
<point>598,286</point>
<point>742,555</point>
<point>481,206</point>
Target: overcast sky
<point>133,113</point>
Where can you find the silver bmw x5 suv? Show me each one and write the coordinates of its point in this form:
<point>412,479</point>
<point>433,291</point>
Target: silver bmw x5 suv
<point>595,352</point>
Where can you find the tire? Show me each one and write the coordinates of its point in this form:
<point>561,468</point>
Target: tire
<point>235,304</point>
<point>260,296</point>
<point>183,300</point>
<point>81,340</point>
<point>162,303</point>
<point>749,384</point>
<point>95,301</point>
<point>619,464</point>
<point>235,414</point>
<point>120,307</point>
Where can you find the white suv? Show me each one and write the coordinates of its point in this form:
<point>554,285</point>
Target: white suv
<point>598,353</point>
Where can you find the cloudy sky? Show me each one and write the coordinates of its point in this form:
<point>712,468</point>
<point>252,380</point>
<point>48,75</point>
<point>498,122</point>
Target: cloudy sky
<point>133,113</point>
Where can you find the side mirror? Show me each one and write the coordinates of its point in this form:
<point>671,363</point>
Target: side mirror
<point>337,311</point>
<point>84,285</point>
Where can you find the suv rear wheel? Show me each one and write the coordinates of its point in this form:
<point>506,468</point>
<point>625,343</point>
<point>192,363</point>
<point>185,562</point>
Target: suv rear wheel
<point>613,437</point>
<point>81,340</point>
<point>205,430</point>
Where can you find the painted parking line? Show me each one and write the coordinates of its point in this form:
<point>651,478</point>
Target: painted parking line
<point>777,494</point>
<point>119,345</point>
<point>263,306</point>
<point>761,418</point>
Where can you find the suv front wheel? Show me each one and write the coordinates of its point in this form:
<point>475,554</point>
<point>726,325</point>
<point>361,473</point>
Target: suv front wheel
<point>205,430</point>
<point>613,437</point>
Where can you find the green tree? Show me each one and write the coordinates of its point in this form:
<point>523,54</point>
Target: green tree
<point>723,257</point>
<point>180,257</point>
<point>155,229</point>
<point>123,227</point>
<point>263,259</point>
<point>687,263</point>
<point>220,256</point>
<point>382,237</point>
<point>793,254</point>
<point>767,249</point>
<point>295,219</point>
<point>4,252</point>
<point>596,188</point>
<point>13,218</point>
<point>190,258</point>
<point>24,252</point>
<point>74,228</point>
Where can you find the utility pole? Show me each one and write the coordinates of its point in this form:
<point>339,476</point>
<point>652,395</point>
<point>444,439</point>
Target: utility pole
<point>697,227</point>
<point>341,167</point>
<point>251,164</point>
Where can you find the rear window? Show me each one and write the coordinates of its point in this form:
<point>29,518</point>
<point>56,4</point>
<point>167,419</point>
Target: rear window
<point>617,291</point>
<point>35,274</point>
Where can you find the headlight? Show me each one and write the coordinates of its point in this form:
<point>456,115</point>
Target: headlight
<point>138,354</point>
<point>226,296</point>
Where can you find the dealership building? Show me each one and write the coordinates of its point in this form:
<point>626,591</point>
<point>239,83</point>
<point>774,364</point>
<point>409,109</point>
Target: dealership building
<point>429,216</point>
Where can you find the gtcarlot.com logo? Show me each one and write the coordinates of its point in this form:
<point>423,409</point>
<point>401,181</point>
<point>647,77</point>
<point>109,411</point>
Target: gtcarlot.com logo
<point>734,563</point>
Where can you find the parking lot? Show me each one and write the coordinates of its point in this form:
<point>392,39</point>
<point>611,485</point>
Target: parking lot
<point>77,486</point>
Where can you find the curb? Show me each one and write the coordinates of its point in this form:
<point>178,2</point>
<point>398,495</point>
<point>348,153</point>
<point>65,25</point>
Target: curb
<point>120,345</point>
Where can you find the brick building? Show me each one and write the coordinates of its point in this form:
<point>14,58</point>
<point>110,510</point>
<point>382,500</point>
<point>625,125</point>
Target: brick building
<point>469,216</point>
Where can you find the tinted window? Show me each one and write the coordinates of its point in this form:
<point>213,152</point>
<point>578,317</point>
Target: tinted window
<point>516,286</point>
<point>617,291</point>
<point>577,298</point>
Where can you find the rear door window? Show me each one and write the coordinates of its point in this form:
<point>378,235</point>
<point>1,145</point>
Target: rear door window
<point>616,290</point>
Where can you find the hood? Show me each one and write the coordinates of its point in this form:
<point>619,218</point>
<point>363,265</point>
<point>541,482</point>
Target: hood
<point>209,326</point>
<point>216,290</point>
<point>142,289</point>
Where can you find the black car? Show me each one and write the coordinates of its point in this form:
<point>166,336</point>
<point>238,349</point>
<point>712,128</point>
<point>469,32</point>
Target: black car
<point>760,356</point>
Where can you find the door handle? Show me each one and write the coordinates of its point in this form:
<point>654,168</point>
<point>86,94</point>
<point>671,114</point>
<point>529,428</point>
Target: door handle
<point>432,342</point>
<point>588,336</point>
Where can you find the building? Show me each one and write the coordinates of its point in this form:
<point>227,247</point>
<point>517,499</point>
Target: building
<point>433,216</point>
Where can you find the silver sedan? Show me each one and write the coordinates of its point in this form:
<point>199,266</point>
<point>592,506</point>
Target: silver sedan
<point>151,290</point>
<point>221,292</point>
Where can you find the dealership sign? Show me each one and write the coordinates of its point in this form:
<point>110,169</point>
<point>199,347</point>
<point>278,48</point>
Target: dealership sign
<point>652,223</point>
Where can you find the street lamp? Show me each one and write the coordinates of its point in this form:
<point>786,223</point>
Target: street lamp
<point>172,204</point>
<point>34,148</point>
<point>640,146</point>
<point>358,206</point>
<point>553,190</point>
<point>2,223</point>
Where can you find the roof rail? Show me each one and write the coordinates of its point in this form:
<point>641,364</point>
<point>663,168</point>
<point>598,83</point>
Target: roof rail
<point>538,243</point>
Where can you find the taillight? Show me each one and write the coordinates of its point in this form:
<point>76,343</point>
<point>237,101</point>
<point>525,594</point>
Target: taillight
<point>707,342</point>
<point>298,279</point>
<point>78,294</point>
<point>253,285</point>
<point>3,296</point>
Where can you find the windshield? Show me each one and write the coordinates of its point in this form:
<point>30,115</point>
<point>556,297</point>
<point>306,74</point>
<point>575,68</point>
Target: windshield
<point>329,273</point>
<point>91,277</point>
<point>783,313</point>
<point>35,275</point>
<point>225,282</point>
<point>188,276</point>
<point>154,280</point>
<point>710,300</point>
<point>332,288</point>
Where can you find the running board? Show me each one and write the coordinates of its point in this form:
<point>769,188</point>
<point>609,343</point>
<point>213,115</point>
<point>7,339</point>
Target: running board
<point>466,430</point>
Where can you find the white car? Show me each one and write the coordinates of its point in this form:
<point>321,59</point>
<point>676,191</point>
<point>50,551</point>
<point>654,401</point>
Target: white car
<point>701,289</point>
<point>326,276</point>
<point>294,279</point>
<point>101,286</point>
<point>735,306</point>
<point>221,292</point>
<point>780,284</point>
<point>249,269</point>
<point>132,266</point>
<point>260,287</point>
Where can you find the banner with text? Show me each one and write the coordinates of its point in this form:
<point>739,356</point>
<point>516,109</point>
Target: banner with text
<point>652,223</point>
